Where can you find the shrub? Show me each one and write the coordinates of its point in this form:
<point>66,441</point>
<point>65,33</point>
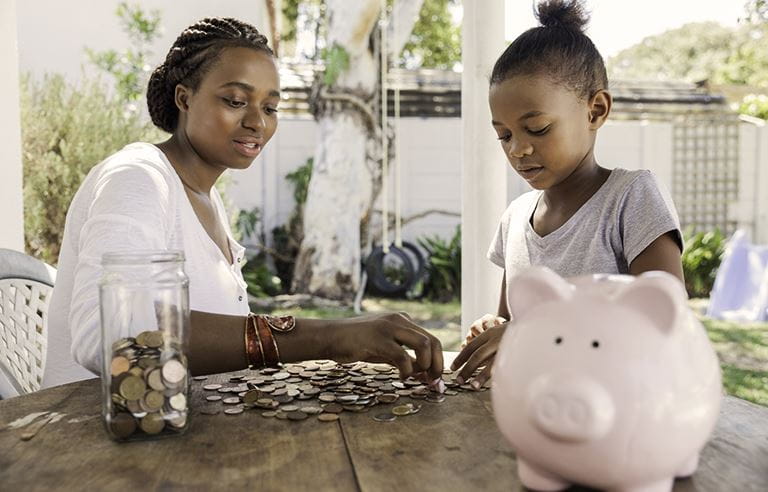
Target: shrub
<point>66,130</point>
<point>443,281</point>
<point>701,259</point>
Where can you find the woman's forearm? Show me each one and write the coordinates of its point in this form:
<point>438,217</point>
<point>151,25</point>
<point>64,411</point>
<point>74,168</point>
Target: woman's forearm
<point>217,342</point>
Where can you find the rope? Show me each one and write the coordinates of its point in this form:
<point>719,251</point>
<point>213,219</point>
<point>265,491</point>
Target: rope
<point>384,136</point>
<point>398,190</point>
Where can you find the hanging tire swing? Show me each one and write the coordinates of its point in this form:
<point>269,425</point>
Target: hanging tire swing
<point>392,269</point>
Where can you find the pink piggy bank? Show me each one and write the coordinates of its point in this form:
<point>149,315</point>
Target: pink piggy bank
<point>607,381</point>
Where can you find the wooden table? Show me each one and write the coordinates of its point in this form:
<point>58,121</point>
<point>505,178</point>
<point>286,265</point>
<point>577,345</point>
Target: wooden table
<point>449,446</point>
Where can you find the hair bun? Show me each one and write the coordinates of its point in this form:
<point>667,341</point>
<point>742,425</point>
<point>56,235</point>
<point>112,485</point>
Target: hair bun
<point>565,14</point>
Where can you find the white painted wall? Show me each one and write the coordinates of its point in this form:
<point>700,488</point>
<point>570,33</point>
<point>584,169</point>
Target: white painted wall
<point>11,200</point>
<point>52,33</point>
<point>752,208</point>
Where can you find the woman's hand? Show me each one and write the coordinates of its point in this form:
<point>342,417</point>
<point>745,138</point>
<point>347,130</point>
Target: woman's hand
<point>482,324</point>
<point>380,338</point>
<point>479,352</point>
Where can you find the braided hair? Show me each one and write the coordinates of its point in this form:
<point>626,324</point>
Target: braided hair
<point>191,56</point>
<point>558,48</point>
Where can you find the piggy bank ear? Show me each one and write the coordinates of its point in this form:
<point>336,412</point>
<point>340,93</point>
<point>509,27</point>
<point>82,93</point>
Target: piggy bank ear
<point>533,287</point>
<point>659,296</point>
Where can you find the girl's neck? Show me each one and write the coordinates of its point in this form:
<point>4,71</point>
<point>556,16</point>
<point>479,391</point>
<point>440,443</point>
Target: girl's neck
<point>197,175</point>
<point>577,188</point>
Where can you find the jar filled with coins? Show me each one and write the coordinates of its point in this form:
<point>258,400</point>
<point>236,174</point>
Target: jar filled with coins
<point>144,300</point>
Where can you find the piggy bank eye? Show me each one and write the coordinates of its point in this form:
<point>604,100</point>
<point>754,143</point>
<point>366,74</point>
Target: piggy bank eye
<point>558,340</point>
<point>595,343</point>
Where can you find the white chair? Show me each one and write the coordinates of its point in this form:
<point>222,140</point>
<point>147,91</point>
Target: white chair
<point>26,285</point>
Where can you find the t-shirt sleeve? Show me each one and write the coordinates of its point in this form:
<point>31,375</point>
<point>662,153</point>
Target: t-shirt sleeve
<point>646,212</point>
<point>497,249</point>
<point>130,211</point>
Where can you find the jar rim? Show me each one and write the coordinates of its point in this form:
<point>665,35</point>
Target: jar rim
<point>142,257</point>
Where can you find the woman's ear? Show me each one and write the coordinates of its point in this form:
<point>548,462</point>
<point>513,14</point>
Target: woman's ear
<point>599,108</point>
<point>181,97</point>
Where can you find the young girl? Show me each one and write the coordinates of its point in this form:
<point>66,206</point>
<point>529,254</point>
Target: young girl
<point>548,97</point>
<point>216,94</point>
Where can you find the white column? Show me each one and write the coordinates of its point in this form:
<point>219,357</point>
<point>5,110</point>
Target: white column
<point>484,172</point>
<point>11,198</point>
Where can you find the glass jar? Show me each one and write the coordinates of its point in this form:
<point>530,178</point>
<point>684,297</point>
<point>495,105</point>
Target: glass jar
<point>144,298</point>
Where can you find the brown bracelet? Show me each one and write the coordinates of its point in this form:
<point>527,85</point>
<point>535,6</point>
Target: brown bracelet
<point>268,344</point>
<point>253,348</point>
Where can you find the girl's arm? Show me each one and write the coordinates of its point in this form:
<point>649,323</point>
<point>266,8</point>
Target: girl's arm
<point>662,254</point>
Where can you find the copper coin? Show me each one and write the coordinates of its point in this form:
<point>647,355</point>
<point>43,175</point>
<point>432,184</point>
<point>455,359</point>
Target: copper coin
<point>333,408</point>
<point>327,417</point>
<point>296,415</point>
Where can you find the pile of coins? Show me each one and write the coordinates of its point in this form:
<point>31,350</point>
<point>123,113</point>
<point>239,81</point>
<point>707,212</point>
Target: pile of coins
<point>324,389</point>
<point>148,386</point>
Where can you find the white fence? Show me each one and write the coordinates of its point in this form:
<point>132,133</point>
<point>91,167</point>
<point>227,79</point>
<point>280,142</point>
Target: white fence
<point>431,171</point>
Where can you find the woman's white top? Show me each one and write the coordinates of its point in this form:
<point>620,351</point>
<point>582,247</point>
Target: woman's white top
<point>133,200</point>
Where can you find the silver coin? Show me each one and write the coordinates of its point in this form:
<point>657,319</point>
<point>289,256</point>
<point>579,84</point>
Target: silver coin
<point>385,417</point>
<point>233,411</point>
<point>213,397</point>
<point>211,387</point>
<point>232,400</point>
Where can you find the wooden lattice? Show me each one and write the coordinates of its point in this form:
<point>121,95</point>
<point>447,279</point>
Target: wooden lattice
<point>24,330</point>
<point>706,172</point>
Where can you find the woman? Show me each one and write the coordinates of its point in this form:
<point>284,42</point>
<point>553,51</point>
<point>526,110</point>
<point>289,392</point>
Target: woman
<point>217,94</point>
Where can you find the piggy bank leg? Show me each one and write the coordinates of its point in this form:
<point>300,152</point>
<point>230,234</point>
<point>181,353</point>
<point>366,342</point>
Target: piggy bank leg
<point>534,478</point>
<point>660,486</point>
<point>689,467</point>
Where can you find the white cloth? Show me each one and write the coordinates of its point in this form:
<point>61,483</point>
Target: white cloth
<point>133,200</point>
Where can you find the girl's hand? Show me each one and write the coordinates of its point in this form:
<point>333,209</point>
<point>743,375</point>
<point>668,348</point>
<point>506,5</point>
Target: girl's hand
<point>479,352</point>
<point>382,338</point>
<point>482,324</point>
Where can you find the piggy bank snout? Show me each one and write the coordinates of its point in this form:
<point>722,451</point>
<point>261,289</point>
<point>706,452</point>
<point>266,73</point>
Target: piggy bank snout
<point>570,409</point>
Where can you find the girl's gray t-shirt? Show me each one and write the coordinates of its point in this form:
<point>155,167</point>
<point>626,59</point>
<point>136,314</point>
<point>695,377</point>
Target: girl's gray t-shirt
<point>605,235</point>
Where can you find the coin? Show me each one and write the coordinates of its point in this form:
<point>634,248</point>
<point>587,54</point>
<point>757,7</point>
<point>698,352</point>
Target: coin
<point>333,408</point>
<point>132,388</point>
<point>311,410</point>
<point>402,410</point>
<point>435,398</point>
<point>211,387</point>
<point>296,415</point>
<point>200,378</point>
<point>232,400</point>
<point>388,397</point>
<point>154,401</point>
<point>174,372</point>
<point>268,414</point>
<point>178,401</point>
<point>327,417</point>
<point>119,366</point>
<point>233,411</point>
<point>153,423</point>
<point>289,408</point>
<point>385,417</point>
<point>250,397</point>
<point>122,425</point>
<point>155,380</point>
<point>213,397</point>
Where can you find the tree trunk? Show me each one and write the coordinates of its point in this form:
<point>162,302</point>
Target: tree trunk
<point>329,260</point>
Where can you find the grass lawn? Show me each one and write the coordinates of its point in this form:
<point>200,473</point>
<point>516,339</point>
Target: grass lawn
<point>742,348</point>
